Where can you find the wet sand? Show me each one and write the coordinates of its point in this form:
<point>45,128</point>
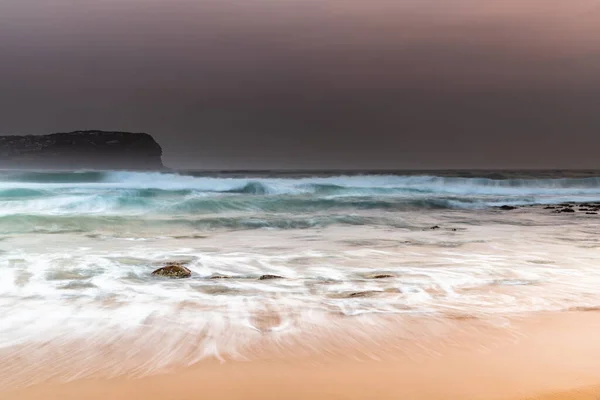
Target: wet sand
<point>543,356</point>
<point>589,393</point>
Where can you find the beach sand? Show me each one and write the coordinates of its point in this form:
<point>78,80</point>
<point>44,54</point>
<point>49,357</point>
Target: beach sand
<point>552,356</point>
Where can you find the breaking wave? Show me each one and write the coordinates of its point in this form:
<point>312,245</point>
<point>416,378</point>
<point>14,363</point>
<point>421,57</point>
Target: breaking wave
<point>28,199</point>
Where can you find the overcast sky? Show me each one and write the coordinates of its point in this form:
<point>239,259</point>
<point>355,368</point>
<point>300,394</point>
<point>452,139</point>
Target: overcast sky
<point>313,83</point>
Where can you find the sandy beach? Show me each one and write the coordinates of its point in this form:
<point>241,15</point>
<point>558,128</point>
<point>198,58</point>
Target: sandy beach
<point>547,356</point>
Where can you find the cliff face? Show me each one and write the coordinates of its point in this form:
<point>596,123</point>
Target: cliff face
<point>81,150</point>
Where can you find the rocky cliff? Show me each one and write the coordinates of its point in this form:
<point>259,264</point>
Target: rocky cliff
<point>81,150</point>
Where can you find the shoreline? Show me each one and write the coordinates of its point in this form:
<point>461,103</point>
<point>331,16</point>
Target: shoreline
<point>378,298</point>
<point>554,356</point>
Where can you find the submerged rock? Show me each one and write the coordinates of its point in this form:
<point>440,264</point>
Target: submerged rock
<point>507,208</point>
<point>78,285</point>
<point>176,271</point>
<point>266,321</point>
<point>219,277</point>
<point>380,276</point>
<point>269,277</point>
<point>216,290</point>
<point>366,293</point>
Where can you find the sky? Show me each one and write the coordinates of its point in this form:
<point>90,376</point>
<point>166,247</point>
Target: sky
<point>243,84</point>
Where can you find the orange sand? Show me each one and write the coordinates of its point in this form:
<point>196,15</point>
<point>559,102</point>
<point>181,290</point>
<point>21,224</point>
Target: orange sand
<point>553,357</point>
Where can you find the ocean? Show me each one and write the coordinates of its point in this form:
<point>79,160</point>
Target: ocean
<point>77,250</point>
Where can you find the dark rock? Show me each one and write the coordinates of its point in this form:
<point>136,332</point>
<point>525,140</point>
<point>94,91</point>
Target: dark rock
<point>176,271</point>
<point>567,210</point>
<point>367,293</point>
<point>508,208</point>
<point>592,213</point>
<point>549,208</point>
<point>219,277</point>
<point>434,227</point>
<point>584,209</point>
<point>81,150</point>
<point>380,276</point>
<point>269,277</point>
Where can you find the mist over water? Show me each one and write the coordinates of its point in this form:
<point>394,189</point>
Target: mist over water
<point>77,250</point>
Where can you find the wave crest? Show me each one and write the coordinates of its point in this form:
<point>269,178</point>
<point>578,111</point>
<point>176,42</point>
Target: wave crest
<point>171,195</point>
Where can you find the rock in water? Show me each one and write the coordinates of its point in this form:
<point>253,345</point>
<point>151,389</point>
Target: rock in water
<point>176,271</point>
<point>81,150</point>
<point>508,208</point>
<point>366,293</point>
<point>268,277</point>
<point>380,276</point>
<point>219,277</point>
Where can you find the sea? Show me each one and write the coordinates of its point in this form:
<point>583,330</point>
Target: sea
<point>78,248</point>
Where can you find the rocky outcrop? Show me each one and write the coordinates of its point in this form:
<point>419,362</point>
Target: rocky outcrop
<point>572,208</point>
<point>176,271</point>
<point>81,150</point>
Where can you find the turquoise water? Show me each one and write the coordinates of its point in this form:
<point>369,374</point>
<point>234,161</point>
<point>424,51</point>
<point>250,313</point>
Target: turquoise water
<point>88,201</point>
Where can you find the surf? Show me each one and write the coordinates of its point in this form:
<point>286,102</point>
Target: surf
<point>172,195</point>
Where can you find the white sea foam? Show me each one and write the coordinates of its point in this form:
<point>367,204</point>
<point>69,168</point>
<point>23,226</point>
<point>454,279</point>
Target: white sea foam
<point>77,290</point>
<point>76,258</point>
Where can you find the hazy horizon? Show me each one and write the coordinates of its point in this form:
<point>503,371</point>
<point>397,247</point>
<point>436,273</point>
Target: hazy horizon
<point>330,84</point>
